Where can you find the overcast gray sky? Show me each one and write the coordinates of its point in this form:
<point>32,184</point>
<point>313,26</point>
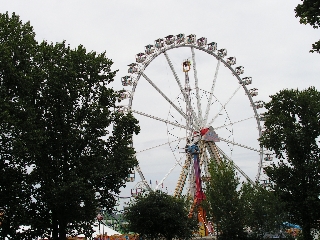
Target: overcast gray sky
<point>263,35</point>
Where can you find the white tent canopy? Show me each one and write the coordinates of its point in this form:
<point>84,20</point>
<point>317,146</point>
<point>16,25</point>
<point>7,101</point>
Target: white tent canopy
<point>103,230</point>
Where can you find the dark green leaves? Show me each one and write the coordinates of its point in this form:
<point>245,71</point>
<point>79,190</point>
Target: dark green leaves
<point>158,215</point>
<point>309,13</point>
<point>226,208</point>
<point>59,158</point>
<point>292,130</point>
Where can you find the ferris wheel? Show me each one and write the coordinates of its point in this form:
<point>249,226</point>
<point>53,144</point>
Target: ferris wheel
<point>192,101</point>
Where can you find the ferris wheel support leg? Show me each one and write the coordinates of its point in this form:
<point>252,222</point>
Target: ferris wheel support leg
<point>182,177</point>
<point>213,151</point>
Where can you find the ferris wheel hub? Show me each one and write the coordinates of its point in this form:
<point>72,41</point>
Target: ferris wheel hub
<point>206,134</point>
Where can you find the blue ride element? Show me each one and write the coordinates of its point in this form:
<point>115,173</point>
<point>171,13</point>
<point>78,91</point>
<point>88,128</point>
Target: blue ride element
<point>290,225</point>
<point>193,149</point>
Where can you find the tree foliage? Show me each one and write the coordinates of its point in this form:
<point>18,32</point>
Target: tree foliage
<point>309,13</point>
<point>158,215</point>
<point>264,212</point>
<point>292,130</point>
<point>241,210</point>
<point>225,206</point>
<point>64,150</point>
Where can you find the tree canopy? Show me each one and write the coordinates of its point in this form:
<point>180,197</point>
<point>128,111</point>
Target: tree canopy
<point>64,149</point>
<point>264,212</point>
<point>158,215</point>
<point>291,132</point>
<point>225,206</point>
<point>309,13</point>
<point>241,210</point>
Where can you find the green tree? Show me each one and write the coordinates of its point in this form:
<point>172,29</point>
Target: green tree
<point>309,13</point>
<point>264,212</point>
<point>225,206</point>
<point>158,215</point>
<point>292,130</point>
<point>17,47</point>
<point>63,146</point>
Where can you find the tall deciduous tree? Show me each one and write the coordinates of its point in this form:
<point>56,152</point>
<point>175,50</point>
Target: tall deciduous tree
<point>61,138</point>
<point>292,129</point>
<point>17,48</point>
<point>158,215</point>
<point>309,13</point>
<point>264,212</point>
<point>225,206</point>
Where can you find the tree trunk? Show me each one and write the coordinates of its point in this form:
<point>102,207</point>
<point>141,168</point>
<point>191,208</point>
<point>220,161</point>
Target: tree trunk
<point>306,231</point>
<point>54,227</point>
<point>62,230</point>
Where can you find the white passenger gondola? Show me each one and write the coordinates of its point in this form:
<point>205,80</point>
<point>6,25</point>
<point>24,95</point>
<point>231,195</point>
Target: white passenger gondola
<point>124,94</point>
<point>149,49</point>
<point>140,57</point>
<point>191,39</point>
<point>180,38</point>
<point>222,52</point>
<point>259,104</point>
<point>253,92</point>
<point>159,43</point>
<point>231,60</point>
<point>246,80</point>
<point>212,46</point>
<point>239,70</point>
<point>126,81</point>
<point>133,68</point>
<point>202,42</point>
<point>170,39</point>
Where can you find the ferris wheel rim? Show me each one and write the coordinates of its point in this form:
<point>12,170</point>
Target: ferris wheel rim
<point>143,66</point>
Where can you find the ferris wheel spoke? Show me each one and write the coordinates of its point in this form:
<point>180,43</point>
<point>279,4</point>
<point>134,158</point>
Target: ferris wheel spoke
<point>164,96</point>
<point>211,92</point>
<point>179,84</point>
<point>236,166</point>
<point>196,85</point>
<point>178,162</point>
<point>159,119</point>
<point>160,145</point>
<point>233,123</point>
<point>240,145</point>
<point>224,105</point>
<point>175,74</point>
